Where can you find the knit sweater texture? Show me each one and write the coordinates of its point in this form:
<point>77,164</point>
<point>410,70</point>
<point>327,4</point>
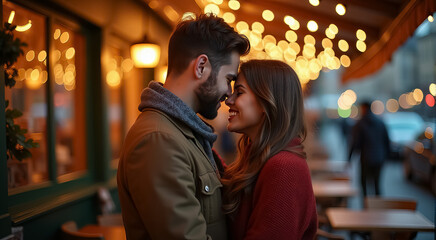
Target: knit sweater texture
<point>282,204</point>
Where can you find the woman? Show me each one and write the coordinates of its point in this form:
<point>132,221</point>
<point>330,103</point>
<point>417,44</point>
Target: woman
<point>268,190</point>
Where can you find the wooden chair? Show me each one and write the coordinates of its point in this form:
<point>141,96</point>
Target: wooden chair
<point>391,203</point>
<point>70,232</point>
<point>110,219</point>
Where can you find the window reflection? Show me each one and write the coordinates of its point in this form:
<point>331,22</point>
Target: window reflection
<point>68,97</point>
<point>29,94</point>
<point>116,67</point>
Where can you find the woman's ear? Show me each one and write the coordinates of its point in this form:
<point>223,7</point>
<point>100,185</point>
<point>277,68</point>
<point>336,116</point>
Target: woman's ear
<point>201,66</point>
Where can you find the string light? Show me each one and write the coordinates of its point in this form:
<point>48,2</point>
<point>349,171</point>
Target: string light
<point>340,9</point>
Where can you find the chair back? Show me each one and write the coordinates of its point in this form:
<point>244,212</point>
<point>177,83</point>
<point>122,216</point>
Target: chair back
<point>390,203</point>
<point>70,232</point>
<point>110,219</point>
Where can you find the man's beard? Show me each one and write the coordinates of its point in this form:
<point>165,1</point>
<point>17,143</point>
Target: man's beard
<point>208,98</point>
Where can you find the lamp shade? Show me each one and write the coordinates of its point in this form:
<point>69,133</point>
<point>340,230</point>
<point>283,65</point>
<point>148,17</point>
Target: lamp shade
<point>145,55</point>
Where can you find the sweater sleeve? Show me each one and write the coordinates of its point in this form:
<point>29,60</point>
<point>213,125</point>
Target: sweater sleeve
<point>283,201</point>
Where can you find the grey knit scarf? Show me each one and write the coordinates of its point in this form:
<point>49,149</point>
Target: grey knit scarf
<point>157,97</point>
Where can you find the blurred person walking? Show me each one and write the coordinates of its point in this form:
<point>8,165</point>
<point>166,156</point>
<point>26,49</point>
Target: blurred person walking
<point>370,136</point>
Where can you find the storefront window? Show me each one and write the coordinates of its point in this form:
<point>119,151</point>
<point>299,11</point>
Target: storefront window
<point>61,68</point>
<point>29,94</point>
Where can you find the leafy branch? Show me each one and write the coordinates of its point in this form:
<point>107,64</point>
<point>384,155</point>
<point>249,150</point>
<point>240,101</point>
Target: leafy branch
<point>10,49</point>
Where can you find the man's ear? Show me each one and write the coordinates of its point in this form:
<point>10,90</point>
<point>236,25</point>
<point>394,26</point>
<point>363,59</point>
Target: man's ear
<point>201,66</point>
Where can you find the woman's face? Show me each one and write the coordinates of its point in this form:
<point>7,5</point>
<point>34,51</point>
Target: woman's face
<point>245,113</point>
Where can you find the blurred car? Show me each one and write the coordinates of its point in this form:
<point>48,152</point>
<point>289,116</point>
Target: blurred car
<point>403,128</point>
<point>420,159</point>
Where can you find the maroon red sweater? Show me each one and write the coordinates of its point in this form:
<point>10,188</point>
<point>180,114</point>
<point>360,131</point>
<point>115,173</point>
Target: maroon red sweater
<point>282,205</point>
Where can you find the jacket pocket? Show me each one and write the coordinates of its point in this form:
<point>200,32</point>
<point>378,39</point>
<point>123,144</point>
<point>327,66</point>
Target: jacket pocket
<point>210,195</point>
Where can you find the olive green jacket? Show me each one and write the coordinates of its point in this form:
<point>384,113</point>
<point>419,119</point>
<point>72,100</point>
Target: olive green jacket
<point>168,189</point>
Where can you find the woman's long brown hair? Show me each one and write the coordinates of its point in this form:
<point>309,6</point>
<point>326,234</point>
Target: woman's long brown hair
<point>278,90</point>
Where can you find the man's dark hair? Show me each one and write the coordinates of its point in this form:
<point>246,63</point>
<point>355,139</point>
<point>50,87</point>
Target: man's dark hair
<point>207,34</point>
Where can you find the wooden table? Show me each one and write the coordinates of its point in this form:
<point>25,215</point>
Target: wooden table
<point>109,232</point>
<point>378,220</point>
<point>327,166</point>
<point>333,188</point>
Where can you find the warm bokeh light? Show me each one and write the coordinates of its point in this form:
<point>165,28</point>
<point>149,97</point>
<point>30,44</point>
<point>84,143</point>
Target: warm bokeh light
<point>127,65</point>
<point>113,79</point>
<point>340,9</point>
<point>234,5</point>
<point>30,55</point>
<point>269,39</point>
<point>392,105</point>
<point>241,26</point>
<point>361,35</point>
<point>430,18</point>
<point>329,33</point>
<point>429,133</point>
<point>345,61</point>
<point>171,14</point>
<point>282,44</point>
<point>34,75</point>
<point>327,43</point>
<point>343,45</point>
<point>65,36</point>
<point>154,4</point>
<point>429,99</point>
<point>257,27</point>
<point>354,112</point>
<point>11,17</point>
<point>212,8</point>
<point>361,45</point>
<point>410,99</point>
<point>295,26</point>
<point>314,2</point>
<point>432,89</point>
<point>189,15</point>
<point>309,39</point>
<point>403,101</point>
<point>291,36</point>
<point>229,17</point>
<point>419,147</point>
<point>145,55</point>
<point>291,22</point>
<point>418,95</point>
<point>218,2</point>
<point>69,54</point>
<point>268,15</point>
<point>377,107</point>
<point>33,82</point>
<point>57,34</point>
<point>42,55</point>
<point>312,26</point>
<point>334,28</point>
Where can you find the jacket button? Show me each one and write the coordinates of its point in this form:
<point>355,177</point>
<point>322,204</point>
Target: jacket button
<point>206,188</point>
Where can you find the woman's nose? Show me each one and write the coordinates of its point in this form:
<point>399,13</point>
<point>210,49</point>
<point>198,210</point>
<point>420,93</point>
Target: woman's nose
<point>230,100</point>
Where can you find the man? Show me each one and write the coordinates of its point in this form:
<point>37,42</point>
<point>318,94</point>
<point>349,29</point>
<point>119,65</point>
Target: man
<point>168,177</point>
<point>371,137</point>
